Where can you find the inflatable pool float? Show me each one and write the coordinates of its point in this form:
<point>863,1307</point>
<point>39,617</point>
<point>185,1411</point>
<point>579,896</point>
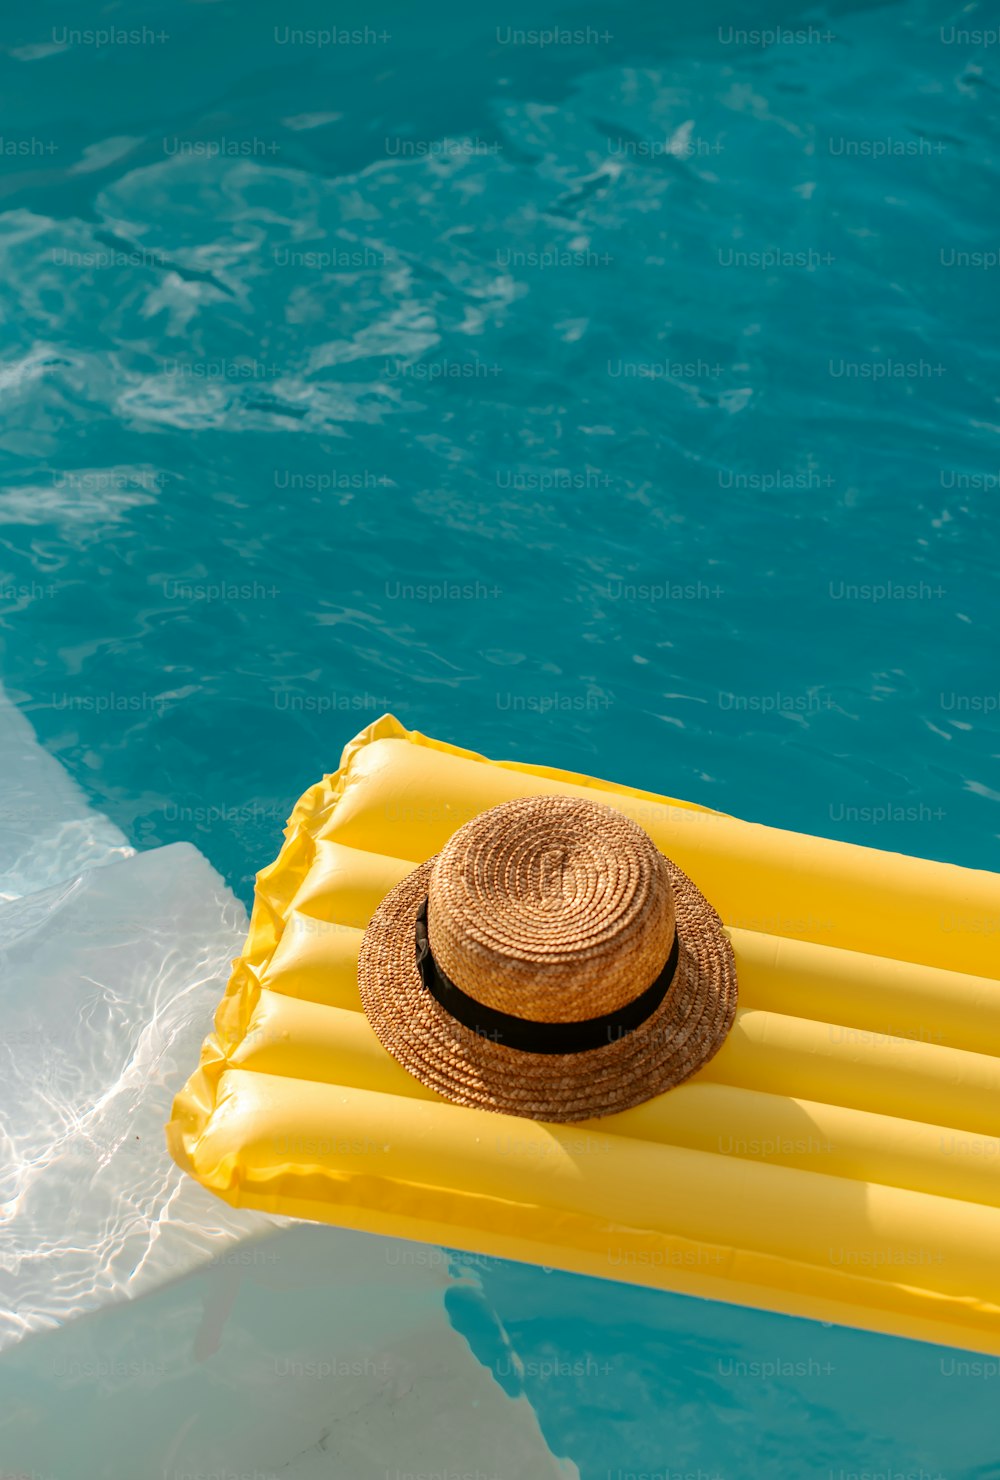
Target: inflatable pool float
<point>837,1158</point>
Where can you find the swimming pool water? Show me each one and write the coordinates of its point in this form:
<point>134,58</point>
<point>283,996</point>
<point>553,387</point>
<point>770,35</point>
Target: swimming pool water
<point>623,400</point>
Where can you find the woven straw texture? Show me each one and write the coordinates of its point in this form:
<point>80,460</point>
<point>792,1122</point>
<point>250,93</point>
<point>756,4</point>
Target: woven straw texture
<point>555,909</point>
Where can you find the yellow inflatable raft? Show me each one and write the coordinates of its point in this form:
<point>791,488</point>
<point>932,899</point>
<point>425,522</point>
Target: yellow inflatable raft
<point>839,1158</point>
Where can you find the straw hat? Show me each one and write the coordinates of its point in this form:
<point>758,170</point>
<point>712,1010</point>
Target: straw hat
<point>549,963</point>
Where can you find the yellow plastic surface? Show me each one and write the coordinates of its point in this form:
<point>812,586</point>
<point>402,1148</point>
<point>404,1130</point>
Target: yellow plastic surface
<point>839,1158</point>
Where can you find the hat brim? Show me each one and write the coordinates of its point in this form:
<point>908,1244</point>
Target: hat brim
<point>682,1034</point>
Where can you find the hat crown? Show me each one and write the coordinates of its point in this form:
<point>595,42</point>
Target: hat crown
<point>555,909</point>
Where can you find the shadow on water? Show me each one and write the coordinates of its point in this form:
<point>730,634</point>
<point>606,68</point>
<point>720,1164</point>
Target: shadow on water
<point>628,1381</point>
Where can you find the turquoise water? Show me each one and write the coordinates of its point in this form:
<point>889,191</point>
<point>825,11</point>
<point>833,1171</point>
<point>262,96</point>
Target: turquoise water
<point>191,405</point>
<point>636,1385</point>
<point>626,404</point>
